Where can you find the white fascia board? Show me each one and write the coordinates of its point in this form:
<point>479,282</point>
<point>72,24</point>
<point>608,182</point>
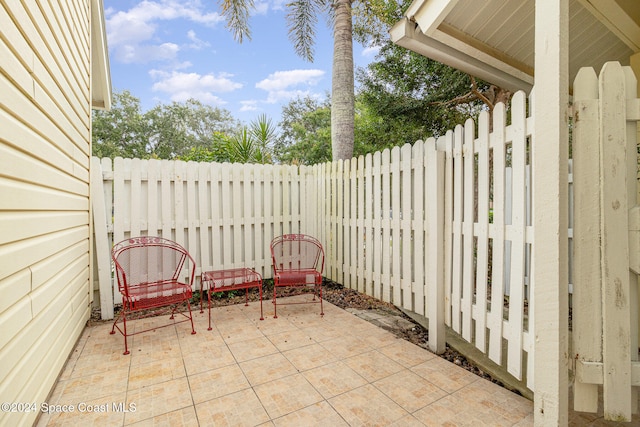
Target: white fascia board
<point>404,33</point>
<point>100,69</point>
<point>429,14</point>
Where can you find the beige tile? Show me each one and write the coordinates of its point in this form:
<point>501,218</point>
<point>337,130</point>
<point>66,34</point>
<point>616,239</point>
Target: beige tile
<point>344,347</point>
<point>334,379</point>
<point>324,331</point>
<point>318,414</point>
<point>185,417</point>
<point>239,331</point>
<point>251,349</point>
<point>101,342</point>
<point>188,341</point>
<point>207,356</point>
<point>286,395</point>
<point>409,390</point>
<point>379,338</point>
<point>217,382</point>
<point>367,406</point>
<point>170,369</point>
<point>239,409</point>
<point>486,397</point>
<point>302,320</point>
<point>90,387</point>
<point>95,412</point>
<point>453,411</point>
<point>407,421</point>
<point>156,372</point>
<point>309,357</point>
<point>444,374</point>
<point>407,354</point>
<point>267,368</point>
<point>158,344</point>
<point>373,365</point>
<point>291,339</point>
<point>158,399</point>
<point>270,326</point>
<point>96,363</point>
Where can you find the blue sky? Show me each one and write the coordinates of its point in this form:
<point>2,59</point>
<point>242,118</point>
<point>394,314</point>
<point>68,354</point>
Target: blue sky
<point>172,50</point>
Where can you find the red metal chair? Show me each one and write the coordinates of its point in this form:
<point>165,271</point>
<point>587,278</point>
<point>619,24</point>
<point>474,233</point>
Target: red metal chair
<point>298,260</point>
<point>152,272</point>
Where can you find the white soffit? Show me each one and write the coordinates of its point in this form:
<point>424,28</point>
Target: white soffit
<point>494,39</point>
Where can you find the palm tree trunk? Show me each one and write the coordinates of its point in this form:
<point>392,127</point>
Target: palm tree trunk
<point>342,84</point>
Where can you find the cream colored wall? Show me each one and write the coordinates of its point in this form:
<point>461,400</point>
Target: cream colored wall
<point>45,122</point>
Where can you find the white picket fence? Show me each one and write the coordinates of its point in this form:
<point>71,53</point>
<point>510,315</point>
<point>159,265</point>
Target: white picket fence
<point>480,310</point>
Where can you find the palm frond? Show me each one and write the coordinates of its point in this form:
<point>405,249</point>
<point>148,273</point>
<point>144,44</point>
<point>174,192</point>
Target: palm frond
<point>302,17</point>
<point>236,13</point>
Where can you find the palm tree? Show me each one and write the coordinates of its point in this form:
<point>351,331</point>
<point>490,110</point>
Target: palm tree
<point>252,144</point>
<point>301,20</point>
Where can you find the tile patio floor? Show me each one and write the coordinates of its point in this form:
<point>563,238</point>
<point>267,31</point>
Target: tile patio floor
<point>298,370</point>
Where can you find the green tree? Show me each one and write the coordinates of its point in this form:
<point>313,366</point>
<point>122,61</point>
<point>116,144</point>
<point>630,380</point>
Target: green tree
<point>248,144</point>
<point>165,132</point>
<point>177,127</point>
<point>305,136</point>
<point>214,152</point>
<point>121,131</point>
<point>417,96</point>
<point>264,133</point>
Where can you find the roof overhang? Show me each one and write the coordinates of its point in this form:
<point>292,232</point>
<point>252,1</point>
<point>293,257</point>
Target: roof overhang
<point>100,72</point>
<point>494,39</point>
<point>408,34</point>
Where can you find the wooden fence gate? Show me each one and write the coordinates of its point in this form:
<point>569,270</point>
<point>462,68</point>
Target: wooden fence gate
<point>606,241</point>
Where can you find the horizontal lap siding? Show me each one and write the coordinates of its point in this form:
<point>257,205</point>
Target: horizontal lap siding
<point>44,194</point>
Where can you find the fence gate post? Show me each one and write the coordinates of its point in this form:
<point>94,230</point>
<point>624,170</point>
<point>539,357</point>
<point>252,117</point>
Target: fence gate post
<point>103,249</point>
<point>615,249</point>
<point>604,331</point>
<point>435,248</point>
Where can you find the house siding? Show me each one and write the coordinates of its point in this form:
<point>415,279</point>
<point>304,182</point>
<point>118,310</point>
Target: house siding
<point>45,146</point>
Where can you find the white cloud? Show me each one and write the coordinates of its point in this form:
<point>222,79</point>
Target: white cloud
<point>132,34</point>
<point>285,85</point>
<point>283,79</point>
<point>261,7</point>
<point>251,105</point>
<point>182,86</point>
<point>279,4</point>
<point>143,54</point>
<point>370,51</point>
<point>196,44</point>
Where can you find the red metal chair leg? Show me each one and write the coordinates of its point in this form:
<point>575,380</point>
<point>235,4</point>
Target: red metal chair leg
<point>209,301</point>
<point>193,330</point>
<point>275,304</point>
<point>123,331</point>
<point>261,314</point>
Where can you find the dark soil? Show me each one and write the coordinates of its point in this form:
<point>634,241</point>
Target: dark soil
<point>339,296</point>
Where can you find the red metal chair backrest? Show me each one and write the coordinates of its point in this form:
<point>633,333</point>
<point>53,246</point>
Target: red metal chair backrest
<point>293,252</point>
<point>140,261</point>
